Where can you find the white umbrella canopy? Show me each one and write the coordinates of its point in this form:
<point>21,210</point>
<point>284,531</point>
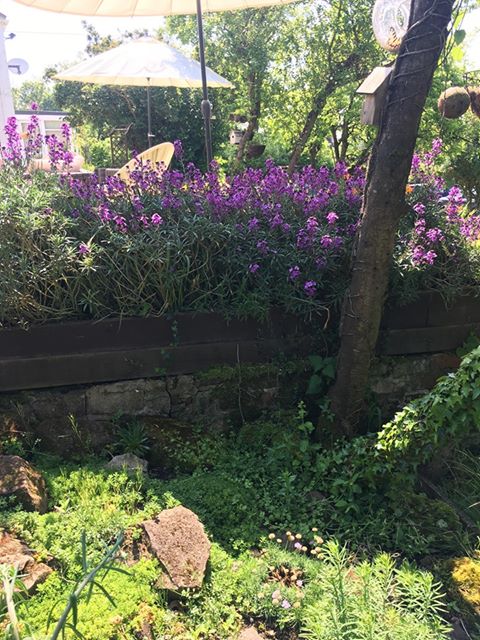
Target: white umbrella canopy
<point>130,8</point>
<point>145,62</point>
<point>140,63</point>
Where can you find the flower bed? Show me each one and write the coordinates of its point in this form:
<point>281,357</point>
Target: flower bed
<point>183,240</point>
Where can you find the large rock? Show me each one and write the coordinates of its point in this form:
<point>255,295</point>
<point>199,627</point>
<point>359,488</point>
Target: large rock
<point>16,554</point>
<point>127,462</point>
<point>177,538</point>
<point>18,478</point>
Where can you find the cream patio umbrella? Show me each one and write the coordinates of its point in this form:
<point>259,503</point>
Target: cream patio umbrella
<point>145,62</point>
<point>130,8</point>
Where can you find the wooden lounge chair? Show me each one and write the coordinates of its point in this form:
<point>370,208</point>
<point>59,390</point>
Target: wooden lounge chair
<point>161,153</point>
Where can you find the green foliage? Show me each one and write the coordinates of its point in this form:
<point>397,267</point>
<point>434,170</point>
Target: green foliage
<point>131,438</point>
<point>374,600</point>
<point>446,415</point>
<point>39,92</point>
<point>113,606</point>
<point>269,476</point>
<point>88,499</point>
<point>323,375</point>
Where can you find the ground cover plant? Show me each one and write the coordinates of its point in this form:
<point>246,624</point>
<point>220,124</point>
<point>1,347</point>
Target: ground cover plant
<point>310,540</point>
<point>183,240</point>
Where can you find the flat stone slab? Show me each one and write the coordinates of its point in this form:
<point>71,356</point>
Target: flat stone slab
<point>176,537</point>
<point>15,553</point>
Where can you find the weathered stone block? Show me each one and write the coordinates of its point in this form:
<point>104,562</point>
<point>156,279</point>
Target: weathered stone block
<point>157,400</point>
<point>177,538</point>
<point>127,462</point>
<point>19,479</point>
<point>181,388</point>
<point>13,552</point>
<point>116,398</point>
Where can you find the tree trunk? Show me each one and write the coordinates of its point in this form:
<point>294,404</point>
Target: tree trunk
<point>384,205</point>
<point>254,92</point>
<point>312,117</point>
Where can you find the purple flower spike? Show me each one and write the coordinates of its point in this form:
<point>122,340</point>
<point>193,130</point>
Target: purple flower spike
<point>178,149</point>
<point>332,217</point>
<point>294,272</point>
<point>156,219</point>
<point>310,288</point>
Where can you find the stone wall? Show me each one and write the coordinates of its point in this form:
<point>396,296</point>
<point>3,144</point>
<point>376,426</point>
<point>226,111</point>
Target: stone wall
<point>69,421</point>
<point>79,420</point>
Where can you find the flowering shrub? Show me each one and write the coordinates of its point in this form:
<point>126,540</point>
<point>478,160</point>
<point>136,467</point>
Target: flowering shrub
<point>437,244</point>
<point>22,148</point>
<point>176,240</point>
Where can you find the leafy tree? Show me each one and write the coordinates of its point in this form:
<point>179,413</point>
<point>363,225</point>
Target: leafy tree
<point>37,91</point>
<point>241,45</point>
<point>333,48</point>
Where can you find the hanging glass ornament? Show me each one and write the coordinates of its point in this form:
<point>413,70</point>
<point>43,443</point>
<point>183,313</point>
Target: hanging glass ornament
<point>390,22</point>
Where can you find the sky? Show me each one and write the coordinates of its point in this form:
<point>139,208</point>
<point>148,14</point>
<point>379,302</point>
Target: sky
<point>43,38</point>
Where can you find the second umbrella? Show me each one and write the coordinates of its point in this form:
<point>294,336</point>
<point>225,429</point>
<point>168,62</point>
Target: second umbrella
<point>145,62</point>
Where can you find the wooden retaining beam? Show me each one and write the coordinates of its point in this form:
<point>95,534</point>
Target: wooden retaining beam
<point>88,352</point>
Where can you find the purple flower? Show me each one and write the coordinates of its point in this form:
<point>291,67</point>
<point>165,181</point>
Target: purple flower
<point>34,106</point>
<point>434,234</point>
<point>429,257</point>
<point>294,272</point>
<point>178,149</point>
<point>83,249</point>
<point>332,217</point>
<point>326,241</point>
<point>311,225</point>
<point>156,218</point>
<point>298,545</point>
<point>262,246</point>
<point>286,604</point>
<point>253,224</point>
<point>420,226</point>
<point>120,222</point>
<point>420,256</point>
<point>310,288</point>
<point>254,267</point>
<point>276,221</point>
<point>437,145</point>
<point>304,240</point>
<point>341,170</point>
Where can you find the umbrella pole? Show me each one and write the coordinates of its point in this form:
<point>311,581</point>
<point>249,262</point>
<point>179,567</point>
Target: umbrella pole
<point>206,105</point>
<point>149,115</point>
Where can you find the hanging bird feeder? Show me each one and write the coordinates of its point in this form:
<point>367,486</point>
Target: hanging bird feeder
<point>454,102</point>
<point>474,93</point>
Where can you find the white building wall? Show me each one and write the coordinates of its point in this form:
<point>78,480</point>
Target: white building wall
<point>6,99</point>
